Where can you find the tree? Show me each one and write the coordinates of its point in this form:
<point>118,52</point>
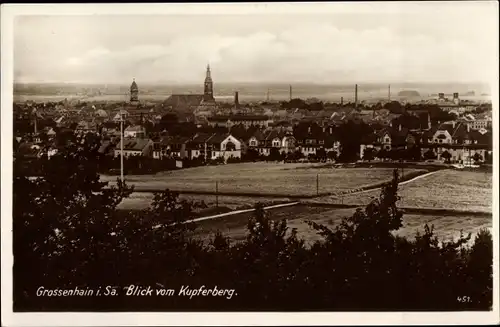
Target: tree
<point>394,107</point>
<point>61,221</point>
<point>251,155</point>
<point>332,155</point>
<point>429,155</point>
<point>383,154</point>
<point>414,153</point>
<point>446,156</point>
<point>488,158</point>
<point>321,154</point>
<point>350,135</point>
<point>477,157</point>
<point>369,154</point>
<point>274,154</point>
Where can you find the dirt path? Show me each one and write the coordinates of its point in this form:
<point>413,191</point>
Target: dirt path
<point>318,199</point>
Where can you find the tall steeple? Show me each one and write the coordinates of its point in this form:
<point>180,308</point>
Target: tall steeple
<point>208,93</point>
<point>134,92</point>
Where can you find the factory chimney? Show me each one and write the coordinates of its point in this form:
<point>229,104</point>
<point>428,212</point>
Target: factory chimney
<point>341,101</point>
<point>236,100</point>
<point>389,95</point>
<point>290,93</point>
<point>356,96</point>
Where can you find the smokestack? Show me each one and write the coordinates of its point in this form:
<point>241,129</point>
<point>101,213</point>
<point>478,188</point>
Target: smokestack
<point>356,96</point>
<point>236,100</point>
<point>389,95</point>
<point>341,101</point>
<point>290,92</point>
<point>267,94</point>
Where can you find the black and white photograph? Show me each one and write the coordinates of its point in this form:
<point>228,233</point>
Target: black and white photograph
<point>257,161</point>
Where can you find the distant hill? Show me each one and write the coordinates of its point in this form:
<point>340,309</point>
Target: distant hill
<point>408,93</point>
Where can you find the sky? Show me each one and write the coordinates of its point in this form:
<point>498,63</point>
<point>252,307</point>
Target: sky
<point>431,42</point>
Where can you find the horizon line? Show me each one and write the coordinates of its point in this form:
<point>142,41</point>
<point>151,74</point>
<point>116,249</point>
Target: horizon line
<point>257,82</point>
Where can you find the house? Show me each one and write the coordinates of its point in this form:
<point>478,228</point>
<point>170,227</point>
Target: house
<point>443,133</point>
<point>370,142</point>
<point>122,113</point>
<point>225,146</point>
<point>85,127</point>
<point>310,137</point>
<point>135,131</point>
<point>257,141</point>
<point>288,143</point>
<point>245,120</point>
<point>198,146</point>
<point>49,131</point>
<point>135,147</point>
<point>101,113</point>
<point>171,146</point>
<point>107,148</point>
<point>384,138</point>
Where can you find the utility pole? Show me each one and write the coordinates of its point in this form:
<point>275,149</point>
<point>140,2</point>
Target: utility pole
<point>216,194</point>
<point>121,146</point>
<point>36,131</point>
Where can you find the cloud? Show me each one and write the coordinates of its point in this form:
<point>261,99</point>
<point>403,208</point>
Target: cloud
<point>306,51</point>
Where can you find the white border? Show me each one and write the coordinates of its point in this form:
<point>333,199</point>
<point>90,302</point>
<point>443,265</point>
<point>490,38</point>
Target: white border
<point>221,319</point>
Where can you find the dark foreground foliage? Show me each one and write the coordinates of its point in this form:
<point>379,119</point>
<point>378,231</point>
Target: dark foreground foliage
<point>68,233</point>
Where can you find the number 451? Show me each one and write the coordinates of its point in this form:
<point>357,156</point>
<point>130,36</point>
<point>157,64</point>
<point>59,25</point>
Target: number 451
<point>463,299</point>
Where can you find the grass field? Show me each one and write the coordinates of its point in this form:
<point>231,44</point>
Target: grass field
<point>262,178</point>
<point>445,226</point>
<point>143,200</point>
<point>451,189</point>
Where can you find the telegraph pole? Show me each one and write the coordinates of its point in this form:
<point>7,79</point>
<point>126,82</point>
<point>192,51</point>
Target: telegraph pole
<point>121,146</point>
<point>216,194</point>
<point>317,184</point>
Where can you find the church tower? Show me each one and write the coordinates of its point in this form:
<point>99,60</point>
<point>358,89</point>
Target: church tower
<point>134,92</point>
<point>208,93</point>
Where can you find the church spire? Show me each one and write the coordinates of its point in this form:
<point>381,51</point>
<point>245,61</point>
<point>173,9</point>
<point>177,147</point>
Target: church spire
<point>208,72</point>
<point>134,92</point>
<point>208,93</point>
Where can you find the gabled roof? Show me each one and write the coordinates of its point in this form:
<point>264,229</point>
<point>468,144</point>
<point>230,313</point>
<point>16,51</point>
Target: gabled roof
<point>446,127</point>
<point>135,144</point>
<point>269,136</point>
<point>184,100</point>
<point>201,138</point>
<point>170,140</point>
<point>135,128</point>
<point>217,138</point>
<point>258,135</point>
